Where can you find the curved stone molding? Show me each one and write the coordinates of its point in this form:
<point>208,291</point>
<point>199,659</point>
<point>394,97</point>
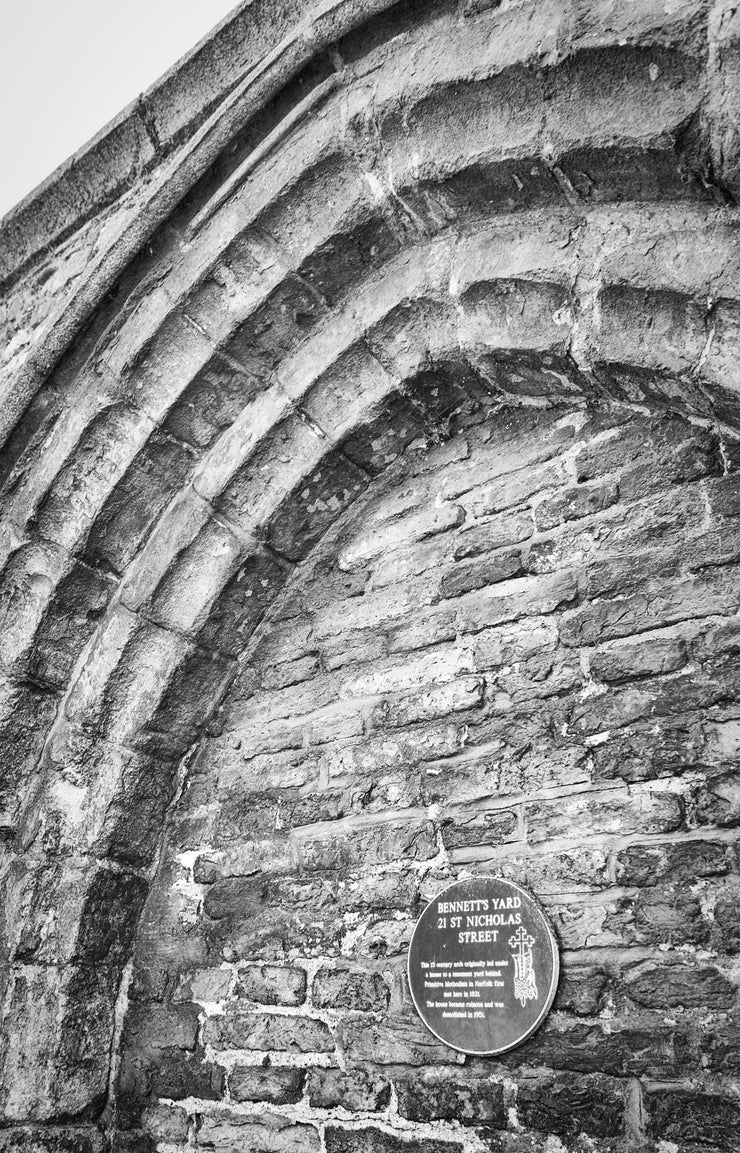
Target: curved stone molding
<point>367,224</point>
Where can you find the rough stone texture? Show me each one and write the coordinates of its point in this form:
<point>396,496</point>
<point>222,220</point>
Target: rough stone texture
<point>369,516</point>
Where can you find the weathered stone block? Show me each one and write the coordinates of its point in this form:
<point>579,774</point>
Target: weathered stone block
<point>440,1095</point>
<point>693,1116</point>
<point>669,986</point>
<point>356,1090</point>
<point>679,863</point>
<point>275,1086</point>
<point>176,1075</point>
<point>568,1106</point>
<point>494,828</point>
<point>372,1140</point>
<point>718,803</point>
<point>431,704</point>
<point>575,503</point>
<point>479,574</point>
<point>268,1031</point>
<point>581,989</point>
<point>645,812</point>
<point>348,989</point>
<point>651,656</point>
<point>272,985</point>
<point>394,1042</point>
<point>270,1133</point>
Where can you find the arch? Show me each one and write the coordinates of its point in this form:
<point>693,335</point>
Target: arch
<point>489,224</point>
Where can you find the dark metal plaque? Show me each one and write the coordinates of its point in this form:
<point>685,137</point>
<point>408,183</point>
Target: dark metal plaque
<point>483,966</point>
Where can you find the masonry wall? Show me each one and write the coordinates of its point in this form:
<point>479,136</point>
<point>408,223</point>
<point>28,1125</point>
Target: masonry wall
<point>515,655</point>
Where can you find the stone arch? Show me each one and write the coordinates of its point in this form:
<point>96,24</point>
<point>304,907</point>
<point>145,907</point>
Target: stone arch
<point>487,226</point>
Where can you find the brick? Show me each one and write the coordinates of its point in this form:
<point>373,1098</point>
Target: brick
<point>721,1048</point>
<point>651,656</point>
<point>493,828</point>
<point>375,844</point>
<point>479,574</point>
<point>177,1075</point>
<point>357,1090</point>
<point>275,1086</point>
<point>651,749</point>
<point>371,1140</point>
<point>272,985</point>
<point>269,1031</point>
<point>441,1096</point>
<point>511,491</point>
<point>682,1116</point>
<point>505,529</point>
<point>432,704</point>
<point>581,989</point>
<point>660,603</point>
<point>395,1042</point>
<point>726,929</point>
<point>677,864</point>
<point>584,812</point>
<point>269,1133</point>
<point>718,802</point>
<point>347,989</point>
<point>568,1106</point>
<point>659,916</point>
<point>669,986</point>
<point>621,1050</point>
<point>575,503</point>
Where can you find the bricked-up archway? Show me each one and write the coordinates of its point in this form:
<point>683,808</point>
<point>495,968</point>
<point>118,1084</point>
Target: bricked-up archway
<point>451,208</point>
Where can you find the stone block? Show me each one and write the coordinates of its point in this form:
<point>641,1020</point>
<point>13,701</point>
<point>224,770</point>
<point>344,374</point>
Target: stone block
<point>506,529</point>
<point>314,505</point>
<point>670,986</point>
<point>621,1051</point>
<point>581,989</point>
<point>266,1083</point>
<point>241,605</point>
<point>206,986</point>
<point>718,802</point>
<point>429,705</point>
<point>350,989</point>
<point>643,657</point>
<point>720,1046</point>
<point>365,845</point>
<point>568,1106</point>
<point>176,1076</point>
<point>272,985</point>
<point>393,1042</point>
<point>69,1139</point>
<point>575,503</point>
<point>657,812</point>
<point>514,490</point>
<point>131,509</point>
<point>268,1032</point>
<point>676,864</point>
<point>659,916</point>
<point>683,1115</point>
<point>372,1140</point>
<point>442,1095</point>
<point>270,1133</point>
<point>478,574</point>
<point>480,829</point>
<point>726,929</point>
<point>357,1090</point>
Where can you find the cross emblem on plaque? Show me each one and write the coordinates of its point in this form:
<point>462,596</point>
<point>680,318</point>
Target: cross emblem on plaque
<point>521,941</point>
<point>525,984</point>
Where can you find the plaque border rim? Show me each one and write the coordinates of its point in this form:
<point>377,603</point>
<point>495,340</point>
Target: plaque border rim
<point>553,982</point>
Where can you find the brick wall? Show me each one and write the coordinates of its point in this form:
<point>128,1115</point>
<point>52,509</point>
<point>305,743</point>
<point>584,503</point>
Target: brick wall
<point>404,225</point>
<point>518,657</point>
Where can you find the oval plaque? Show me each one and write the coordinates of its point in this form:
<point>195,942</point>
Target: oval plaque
<point>483,965</point>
